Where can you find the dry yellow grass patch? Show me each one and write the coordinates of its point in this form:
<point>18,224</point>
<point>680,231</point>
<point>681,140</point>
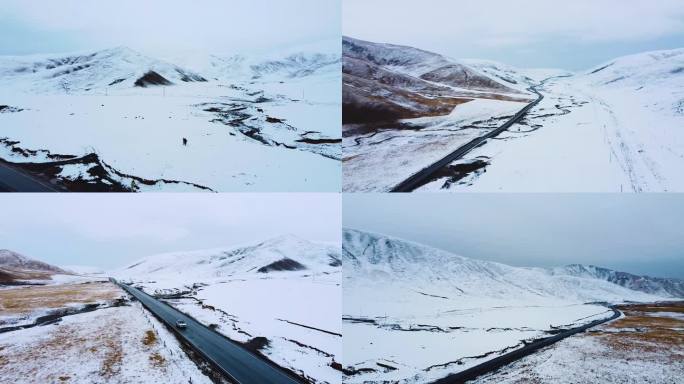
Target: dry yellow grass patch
<point>642,330</point>
<point>157,360</point>
<point>150,338</point>
<point>111,365</point>
<point>24,300</point>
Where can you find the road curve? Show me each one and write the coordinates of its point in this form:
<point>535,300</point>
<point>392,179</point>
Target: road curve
<point>13,179</point>
<point>237,363</point>
<point>420,177</point>
<point>528,349</point>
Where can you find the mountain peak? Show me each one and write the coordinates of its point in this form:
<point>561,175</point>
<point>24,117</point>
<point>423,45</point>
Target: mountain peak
<point>13,260</point>
<point>653,285</point>
<point>6,255</point>
<point>281,253</point>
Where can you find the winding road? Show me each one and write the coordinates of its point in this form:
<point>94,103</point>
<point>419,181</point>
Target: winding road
<point>528,349</point>
<point>421,177</point>
<point>235,362</point>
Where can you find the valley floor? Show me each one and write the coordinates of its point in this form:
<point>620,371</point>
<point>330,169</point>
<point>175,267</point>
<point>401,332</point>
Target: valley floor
<point>248,137</point>
<point>442,336</point>
<point>581,138</point>
<point>644,346</point>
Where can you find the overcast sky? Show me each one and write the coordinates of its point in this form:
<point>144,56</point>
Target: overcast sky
<point>642,234</point>
<point>112,230</point>
<point>576,34</point>
<point>161,26</point>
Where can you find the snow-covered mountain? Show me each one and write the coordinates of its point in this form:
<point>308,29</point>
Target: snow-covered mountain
<point>291,65</point>
<point>420,64</point>
<point>652,285</point>
<point>117,67</point>
<point>656,76</point>
<point>514,77</point>
<point>15,267</point>
<point>642,69</point>
<point>273,256</point>
<point>389,81</point>
<point>16,261</point>
<point>371,259</point>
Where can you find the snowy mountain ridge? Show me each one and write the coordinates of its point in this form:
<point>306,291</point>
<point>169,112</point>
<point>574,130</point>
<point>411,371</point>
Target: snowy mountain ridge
<point>16,261</point>
<point>270,257</point>
<point>371,258</point>
<point>641,69</point>
<point>386,82</point>
<point>122,67</point>
<point>82,72</point>
<point>651,285</point>
<point>424,65</point>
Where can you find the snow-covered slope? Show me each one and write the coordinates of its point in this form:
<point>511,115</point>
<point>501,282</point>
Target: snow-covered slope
<point>423,65</point>
<point>514,77</point>
<point>652,285</point>
<point>81,72</point>
<point>656,78</point>
<point>642,69</point>
<point>281,66</point>
<point>386,81</point>
<point>370,258</point>
<point>273,256</point>
<point>16,261</point>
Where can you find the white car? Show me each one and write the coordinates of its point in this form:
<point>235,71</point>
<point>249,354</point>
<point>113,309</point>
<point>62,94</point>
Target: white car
<point>181,324</point>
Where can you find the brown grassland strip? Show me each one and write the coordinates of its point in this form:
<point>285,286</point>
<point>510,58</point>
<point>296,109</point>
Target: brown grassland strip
<point>644,330</point>
<point>24,300</point>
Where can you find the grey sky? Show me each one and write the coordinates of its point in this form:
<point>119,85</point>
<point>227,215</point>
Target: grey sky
<point>111,230</point>
<point>642,234</point>
<point>154,26</point>
<point>574,35</point>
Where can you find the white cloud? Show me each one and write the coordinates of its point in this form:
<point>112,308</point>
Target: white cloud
<point>108,229</point>
<point>511,23</point>
<point>211,25</point>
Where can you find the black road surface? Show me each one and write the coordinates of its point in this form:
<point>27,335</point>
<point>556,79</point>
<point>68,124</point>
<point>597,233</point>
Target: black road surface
<point>233,360</point>
<point>528,349</point>
<point>419,178</point>
<point>16,180</point>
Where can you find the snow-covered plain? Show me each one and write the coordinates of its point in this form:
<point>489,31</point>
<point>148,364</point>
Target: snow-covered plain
<point>615,128</point>
<point>269,124</point>
<point>414,314</point>
<point>286,290</point>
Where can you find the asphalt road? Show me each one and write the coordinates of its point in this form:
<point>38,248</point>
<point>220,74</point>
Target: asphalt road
<point>421,177</point>
<point>505,359</point>
<point>237,363</point>
<point>16,180</point>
